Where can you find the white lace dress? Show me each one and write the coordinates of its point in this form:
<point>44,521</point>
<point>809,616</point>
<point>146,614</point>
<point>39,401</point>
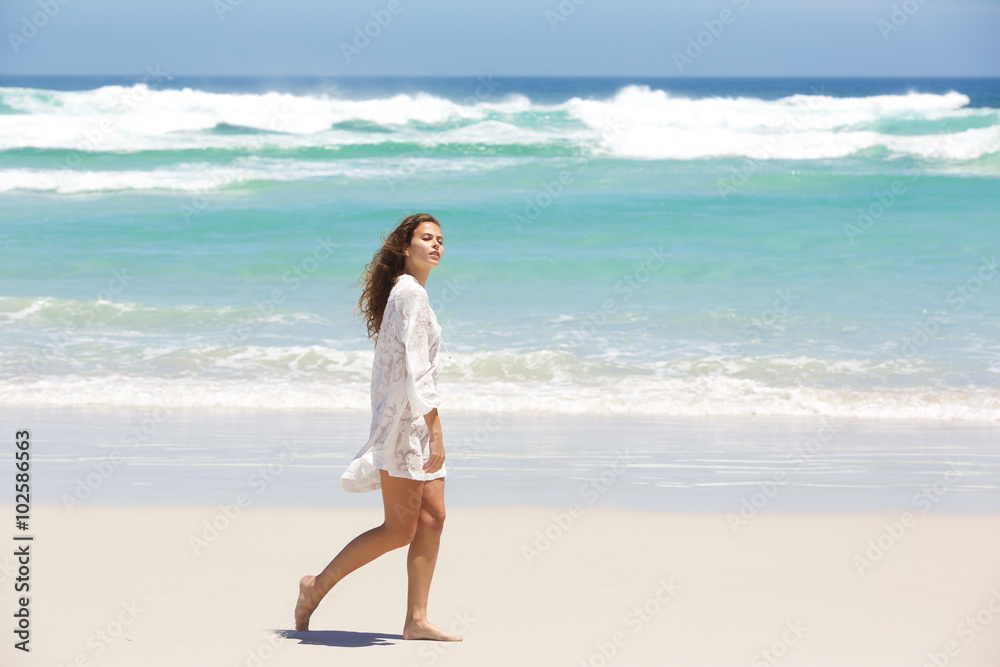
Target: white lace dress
<point>403,390</point>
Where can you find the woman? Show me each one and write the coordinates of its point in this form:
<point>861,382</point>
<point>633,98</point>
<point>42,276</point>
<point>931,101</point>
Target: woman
<point>404,455</point>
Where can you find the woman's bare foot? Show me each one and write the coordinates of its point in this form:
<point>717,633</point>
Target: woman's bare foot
<point>306,604</point>
<point>427,630</point>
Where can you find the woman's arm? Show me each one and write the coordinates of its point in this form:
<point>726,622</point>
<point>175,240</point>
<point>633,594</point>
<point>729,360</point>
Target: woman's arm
<point>415,324</point>
<point>436,459</point>
<point>421,374</point>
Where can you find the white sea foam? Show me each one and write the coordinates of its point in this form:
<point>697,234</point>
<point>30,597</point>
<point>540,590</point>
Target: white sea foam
<point>186,357</point>
<point>12,310</point>
<point>315,376</point>
<point>118,318</point>
<point>654,124</point>
<point>696,397</point>
<point>165,111</point>
<point>637,122</point>
<point>202,177</point>
<point>115,118</point>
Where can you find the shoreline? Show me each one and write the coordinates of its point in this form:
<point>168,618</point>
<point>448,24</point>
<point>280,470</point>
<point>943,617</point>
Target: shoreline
<point>141,457</point>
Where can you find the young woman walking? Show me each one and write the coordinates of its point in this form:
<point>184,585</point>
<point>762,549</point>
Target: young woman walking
<point>404,455</point>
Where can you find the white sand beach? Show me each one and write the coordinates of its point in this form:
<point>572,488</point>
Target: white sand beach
<point>135,586</point>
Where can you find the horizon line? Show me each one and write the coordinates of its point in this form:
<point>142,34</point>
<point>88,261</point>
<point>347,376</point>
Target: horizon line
<point>531,76</point>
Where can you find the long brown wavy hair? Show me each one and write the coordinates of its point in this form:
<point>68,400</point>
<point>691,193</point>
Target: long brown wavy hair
<point>387,264</point>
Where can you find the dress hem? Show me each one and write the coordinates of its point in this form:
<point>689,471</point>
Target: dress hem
<point>353,485</point>
<point>423,478</point>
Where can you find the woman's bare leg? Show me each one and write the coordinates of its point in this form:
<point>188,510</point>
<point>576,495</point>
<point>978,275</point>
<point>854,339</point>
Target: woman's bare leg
<point>401,499</point>
<point>420,560</point>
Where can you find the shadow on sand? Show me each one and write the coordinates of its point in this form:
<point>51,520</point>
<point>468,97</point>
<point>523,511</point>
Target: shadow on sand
<point>340,637</point>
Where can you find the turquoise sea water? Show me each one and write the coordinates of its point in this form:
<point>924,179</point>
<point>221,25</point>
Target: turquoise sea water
<point>712,247</point>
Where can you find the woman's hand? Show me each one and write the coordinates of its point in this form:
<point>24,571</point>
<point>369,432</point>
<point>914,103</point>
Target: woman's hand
<point>436,458</point>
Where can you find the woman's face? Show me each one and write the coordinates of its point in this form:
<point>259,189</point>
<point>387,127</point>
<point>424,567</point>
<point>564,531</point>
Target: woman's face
<point>427,245</point>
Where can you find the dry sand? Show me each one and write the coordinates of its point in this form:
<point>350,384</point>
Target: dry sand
<point>126,586</point>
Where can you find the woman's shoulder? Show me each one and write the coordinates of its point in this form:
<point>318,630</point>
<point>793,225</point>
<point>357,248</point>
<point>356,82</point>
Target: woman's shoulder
<point>407,286</point>
<point>408,296</point>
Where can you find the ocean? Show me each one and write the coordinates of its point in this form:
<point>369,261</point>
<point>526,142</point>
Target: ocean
<point>660,247</point>
<point>711,302</point>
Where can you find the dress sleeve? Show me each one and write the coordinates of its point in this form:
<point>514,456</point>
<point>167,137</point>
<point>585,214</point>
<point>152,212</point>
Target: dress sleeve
<point>421,375</point>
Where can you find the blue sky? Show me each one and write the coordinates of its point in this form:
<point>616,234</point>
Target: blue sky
<point>514,37</point>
